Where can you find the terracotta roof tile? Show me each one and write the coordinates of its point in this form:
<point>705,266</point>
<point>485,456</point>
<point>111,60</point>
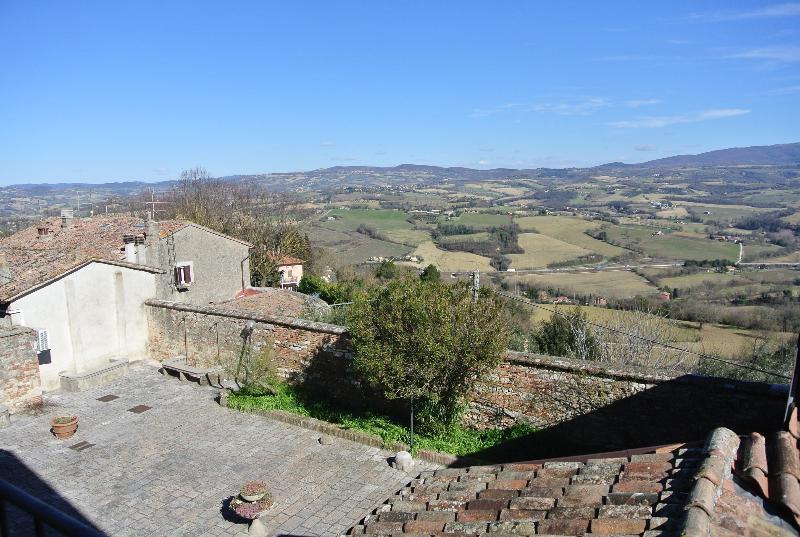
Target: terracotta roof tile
<point>273,301</point>
<point>45,250</point>
<point>527,498</point>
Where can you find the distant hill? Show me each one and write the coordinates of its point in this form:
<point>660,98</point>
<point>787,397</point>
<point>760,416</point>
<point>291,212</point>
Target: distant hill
<point>758,155</point>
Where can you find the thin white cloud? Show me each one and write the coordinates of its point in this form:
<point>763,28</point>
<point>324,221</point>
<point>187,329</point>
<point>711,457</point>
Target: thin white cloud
<point>788,90</point>
<point>636,103</point>
<point>645,147</point>
<point>654,122</point>
<point>344,159</point>
<point>483,162</point>
<point>789,9</point>
<point>485,112</point>
<point>572,109</point>
<point>327,143</point>
<point>626,58</point>
<point>785,54</point>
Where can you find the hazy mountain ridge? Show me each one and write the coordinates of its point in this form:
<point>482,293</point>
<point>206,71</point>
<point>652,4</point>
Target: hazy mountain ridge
<point>761,155</point>
<point>371,176</point>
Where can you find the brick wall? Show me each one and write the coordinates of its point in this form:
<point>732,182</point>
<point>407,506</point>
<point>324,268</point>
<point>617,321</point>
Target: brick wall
<point>579,407</point>
<point>585,407</point>
<point>210,335</point>
<point>19,369</point>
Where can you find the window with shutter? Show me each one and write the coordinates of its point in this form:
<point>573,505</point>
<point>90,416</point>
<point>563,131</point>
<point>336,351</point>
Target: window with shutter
<point>183,274</point>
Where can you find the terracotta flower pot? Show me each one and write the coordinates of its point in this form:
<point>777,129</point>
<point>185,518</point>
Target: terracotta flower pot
<point>63,429</point>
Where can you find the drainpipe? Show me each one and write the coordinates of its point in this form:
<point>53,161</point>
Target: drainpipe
<point>241,263</point>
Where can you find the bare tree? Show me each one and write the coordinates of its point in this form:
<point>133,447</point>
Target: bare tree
<point>246,210</point>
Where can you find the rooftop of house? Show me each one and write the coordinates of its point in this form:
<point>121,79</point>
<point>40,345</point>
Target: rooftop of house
<point>283,260</point>
<point>730,486</point>
<point>46,250</point>
<point>273,301</point>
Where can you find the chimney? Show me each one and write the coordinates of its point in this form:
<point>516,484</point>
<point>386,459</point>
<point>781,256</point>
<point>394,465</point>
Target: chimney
<point>152,234</point>
<point>66,218</point>
<point>130,248</point>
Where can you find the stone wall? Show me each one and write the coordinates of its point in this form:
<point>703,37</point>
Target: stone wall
<point>584,407</point>
<point>578,406</point>
<point>19,369</point>
<point>212,335</point>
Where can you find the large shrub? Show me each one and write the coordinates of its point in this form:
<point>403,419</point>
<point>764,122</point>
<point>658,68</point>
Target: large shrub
<point>429,341</point>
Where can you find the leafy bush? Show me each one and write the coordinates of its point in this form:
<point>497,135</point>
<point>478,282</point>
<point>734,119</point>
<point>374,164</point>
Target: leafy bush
<point>332,293</point>
<point>567,335</point>
<point>430,274</point>
<point>428,341</point>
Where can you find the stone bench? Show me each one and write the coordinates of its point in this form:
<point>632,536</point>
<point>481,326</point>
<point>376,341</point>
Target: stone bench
<point>178,367</point>
<point>76,382</point>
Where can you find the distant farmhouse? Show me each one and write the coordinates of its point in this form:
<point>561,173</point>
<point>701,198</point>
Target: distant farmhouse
<point>291,270</point>
<point>81,284</point>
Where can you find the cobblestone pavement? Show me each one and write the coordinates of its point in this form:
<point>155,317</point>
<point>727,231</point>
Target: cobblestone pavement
<point>168,470</point>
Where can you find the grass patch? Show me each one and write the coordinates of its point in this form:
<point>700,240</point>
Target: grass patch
<point>459,441</point>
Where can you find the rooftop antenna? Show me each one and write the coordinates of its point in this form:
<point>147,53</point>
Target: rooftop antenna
<point>152,203</point>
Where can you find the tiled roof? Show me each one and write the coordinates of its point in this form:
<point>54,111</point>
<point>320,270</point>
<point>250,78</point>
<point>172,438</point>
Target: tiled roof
<point>32,259</point>
<point>734,485</point>
<point>272,301</point>
<point>281,260</point>
<point>616,495</point>
<point>727,498</point>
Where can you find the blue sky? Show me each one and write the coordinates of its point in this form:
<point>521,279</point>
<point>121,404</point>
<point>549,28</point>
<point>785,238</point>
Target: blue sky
<point>108,91</point>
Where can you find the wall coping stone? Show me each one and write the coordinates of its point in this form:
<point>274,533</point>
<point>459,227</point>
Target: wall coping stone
<point>75,382</point>
<point>641,375</point>
<point>291,322</point>
<point>11,331</point>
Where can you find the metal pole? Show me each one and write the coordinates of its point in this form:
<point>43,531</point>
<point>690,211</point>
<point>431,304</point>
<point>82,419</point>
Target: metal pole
<point>794,384</point>
<point>185,341</point>
<point>412,425</point>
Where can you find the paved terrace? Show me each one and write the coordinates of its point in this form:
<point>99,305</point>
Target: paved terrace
<point>167,470</point>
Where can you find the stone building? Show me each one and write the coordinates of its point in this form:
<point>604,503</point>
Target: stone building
<point>82,284</point>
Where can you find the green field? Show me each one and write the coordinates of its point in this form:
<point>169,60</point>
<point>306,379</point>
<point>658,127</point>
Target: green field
<point>480,220</point>
<point>669,246</point>
<point>609,283</point>
<point>723,212</point>
<point>570,230</point>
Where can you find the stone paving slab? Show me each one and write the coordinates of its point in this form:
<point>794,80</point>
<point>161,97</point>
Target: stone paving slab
<point>167,470</point>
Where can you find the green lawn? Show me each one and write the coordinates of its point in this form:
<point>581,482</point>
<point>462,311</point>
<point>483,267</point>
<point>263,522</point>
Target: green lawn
<point>459,441</point>
<point>670,246</point>
<point>480,220</point>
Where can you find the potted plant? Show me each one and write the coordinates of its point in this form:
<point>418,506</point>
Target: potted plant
<point>251,510</point>
<point>253,491</point>
<point>64,427</point>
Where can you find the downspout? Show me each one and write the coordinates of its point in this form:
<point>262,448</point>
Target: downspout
<point>241,263</point>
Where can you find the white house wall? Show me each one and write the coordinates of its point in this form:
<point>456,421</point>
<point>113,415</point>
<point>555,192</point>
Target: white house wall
<point>91,315</point>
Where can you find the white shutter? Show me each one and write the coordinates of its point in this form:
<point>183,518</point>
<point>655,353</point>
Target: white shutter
<point>42,341</point>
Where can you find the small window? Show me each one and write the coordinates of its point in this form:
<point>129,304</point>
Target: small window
<point>184,275</point>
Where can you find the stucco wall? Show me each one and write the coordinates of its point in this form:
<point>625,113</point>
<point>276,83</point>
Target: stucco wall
<point>217,267</point>
<point>291,274</point>
<point>90,315</point>
<point>19,369</point>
